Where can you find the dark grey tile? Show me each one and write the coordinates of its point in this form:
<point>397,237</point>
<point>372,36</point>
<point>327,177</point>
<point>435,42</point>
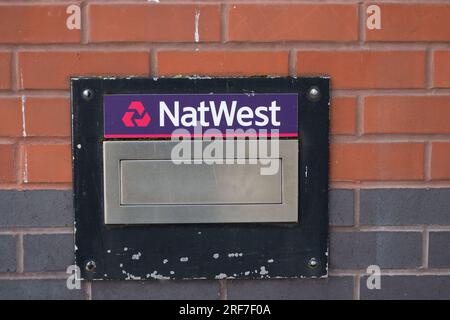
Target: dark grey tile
<point>341,207</point>
<point>349,250</point>
<point>408,287</point>
<point>274,289</point>
<point>439,250</point>
<point>405,206</point>
<point>36,208</point>
<point>156,289</point>
<point>49,252</point>
<point>7,253</point>
<point>38,290</point>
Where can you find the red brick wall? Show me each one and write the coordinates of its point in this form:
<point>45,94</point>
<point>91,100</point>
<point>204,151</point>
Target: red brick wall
<point>391,87</point>
<point>390,112</point>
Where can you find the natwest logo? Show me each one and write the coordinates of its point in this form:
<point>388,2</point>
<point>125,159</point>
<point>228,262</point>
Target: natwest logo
<point>258,114</point>
<point>136,115</point>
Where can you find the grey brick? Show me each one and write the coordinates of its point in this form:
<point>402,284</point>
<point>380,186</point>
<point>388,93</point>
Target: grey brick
<point>37,290</point>
<point>350,250</point>
<point>52,252</point>
<point>408,287</point>
<point>439,250</point>
<point>329,288</point>
<point>405,206</point>
<point>7,254</point>
<point>341,207</point>
<point>36,208</point>
<point>155,289</point>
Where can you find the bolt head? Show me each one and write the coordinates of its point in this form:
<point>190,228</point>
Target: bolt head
<point>87,94</point>
<point>314,94</point>
<point>90,266</point>
<point>313,263</point>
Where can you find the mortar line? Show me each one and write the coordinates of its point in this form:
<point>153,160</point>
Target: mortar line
<point>357,207</point>
<point>35,186</point>
<point>292,63</point>
<point>337,92</point>
<point>191,46</point>
<point>18,161</point>
<point>38,140</point>
<point>19,253</point>
<point>389,185</point>
<point>9,140</point>
<point>427,161</point>
<point>14,70</point>
<point>390,272</point>
<point>359,115</point>
<point>361,24</point>
<point>32,93</point>
<point>410,228</point>
<point>389,138</point>
<point>308,45</point>
<point>24,162</point>
<point>429,68</point>
<point>33,276</point>
<point>356,287</point>
<point>84,32</point>
<point>24,122</point>
<point>223,289</point>
<point>436,228</point>
<point>363,185</point>
<point>224,8</point>
<point>87,286</point>
<point>153,63</point>
<point>425,247</point>
<point>250,1</point>
<point>35,230</point>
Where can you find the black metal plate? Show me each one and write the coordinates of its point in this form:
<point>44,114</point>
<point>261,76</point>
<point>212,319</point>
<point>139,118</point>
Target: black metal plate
<point>244,250</point>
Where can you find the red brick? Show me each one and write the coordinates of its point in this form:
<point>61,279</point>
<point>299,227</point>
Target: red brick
<point>299,22</point>
<point>440,161</point>
<point>48,163</point>
<point>153,22</point>
<point>47,117</point>
<point>222,63</point>
<point>10,117</point>
<point>415,114</point>
<point>412,22</point>
<point>7,167</point>
<point>441,69</point>
<point>35,24</point>
<point>343,115</point>
<point>366,69</point>
<point>377,161</point>
<point>5,70</point>
<point>51,70</point>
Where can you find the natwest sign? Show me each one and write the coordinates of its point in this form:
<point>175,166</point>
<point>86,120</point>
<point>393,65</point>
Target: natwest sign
<point>253,114</point>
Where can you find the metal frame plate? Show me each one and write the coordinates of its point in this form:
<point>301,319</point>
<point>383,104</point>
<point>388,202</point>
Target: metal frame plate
<point>212,250</point>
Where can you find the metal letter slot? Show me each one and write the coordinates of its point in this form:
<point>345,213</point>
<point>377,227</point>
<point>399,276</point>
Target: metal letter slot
<point>146,187</point>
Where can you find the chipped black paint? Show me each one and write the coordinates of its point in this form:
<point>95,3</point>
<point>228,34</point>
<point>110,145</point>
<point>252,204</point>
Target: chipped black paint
<point>210,251</point>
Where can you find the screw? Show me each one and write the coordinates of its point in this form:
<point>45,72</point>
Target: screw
<point>87,94</point>
<point>90,266</point>
<point>313,263</point>
<point>313,94</point>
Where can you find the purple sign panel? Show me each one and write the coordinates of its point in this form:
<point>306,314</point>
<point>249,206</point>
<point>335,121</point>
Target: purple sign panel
<point>160,115</point>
